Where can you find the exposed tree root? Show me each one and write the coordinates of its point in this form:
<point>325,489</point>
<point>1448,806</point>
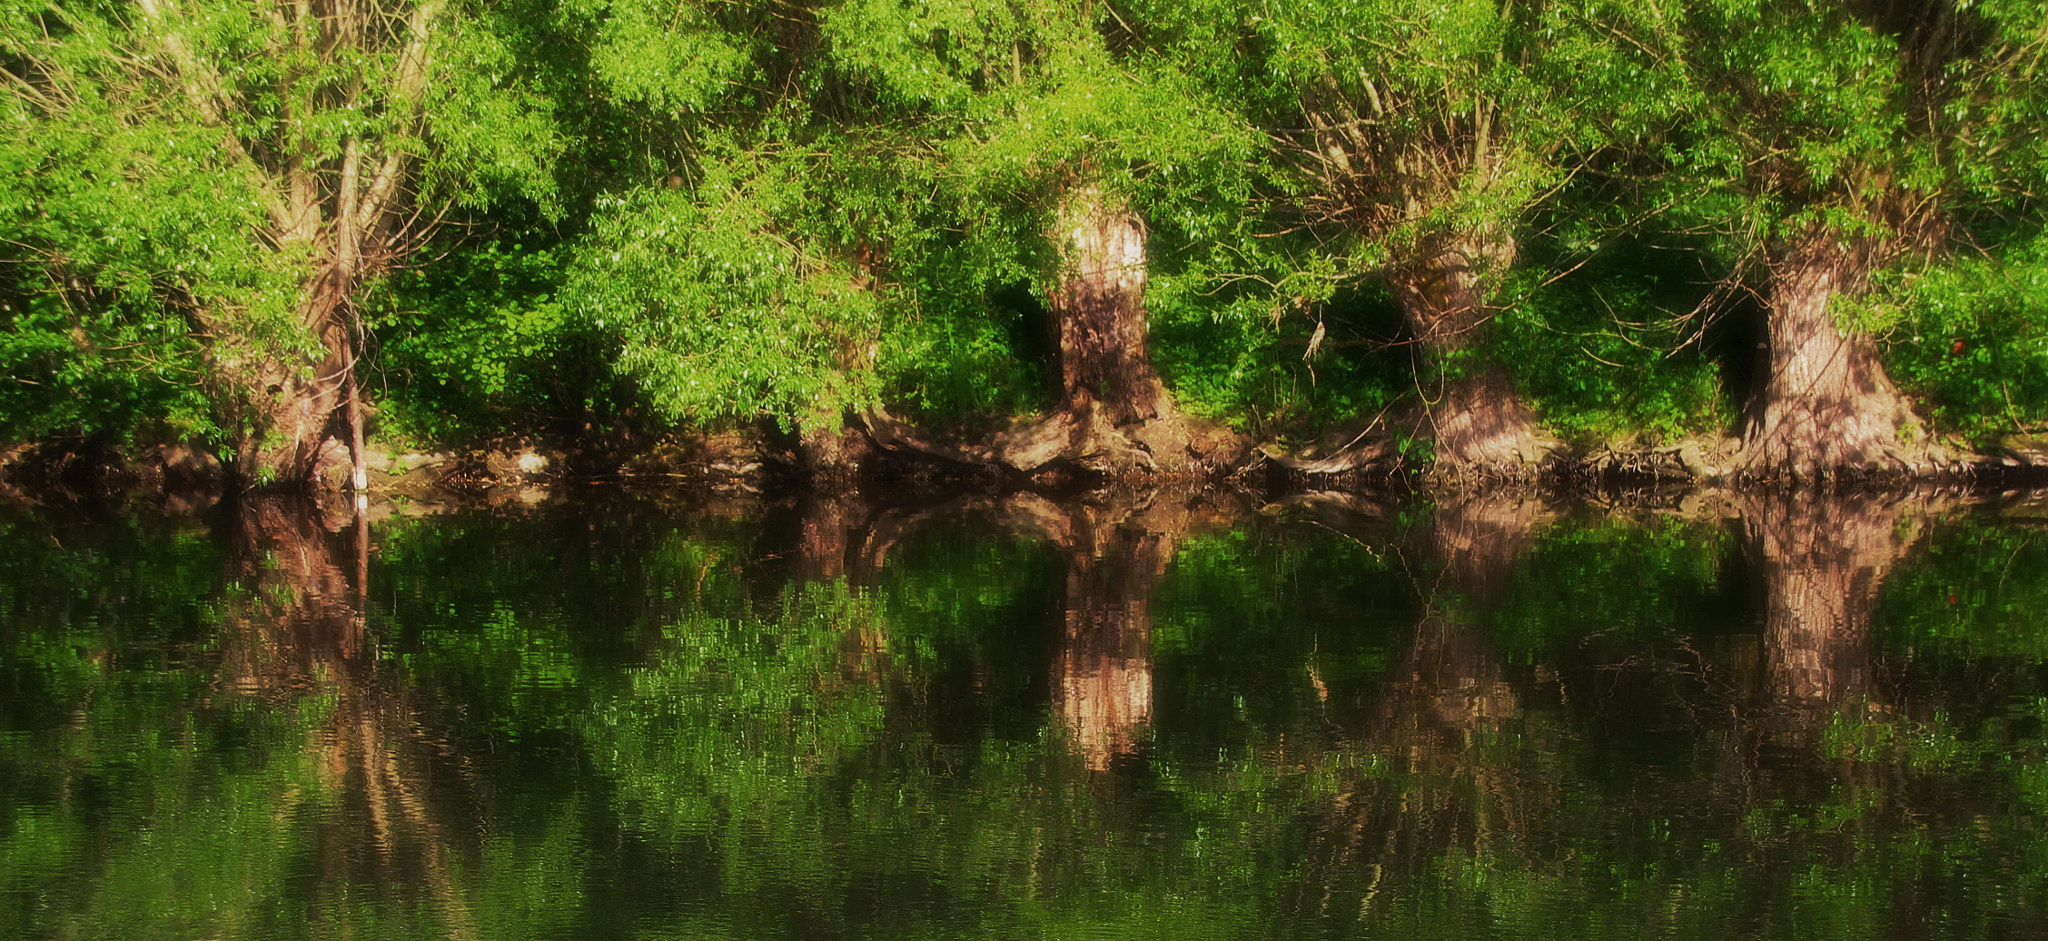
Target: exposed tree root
<point>1482,430</point>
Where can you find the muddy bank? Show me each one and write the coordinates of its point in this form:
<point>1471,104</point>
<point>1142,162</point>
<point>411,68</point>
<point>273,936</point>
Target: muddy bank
<point>758,462</point>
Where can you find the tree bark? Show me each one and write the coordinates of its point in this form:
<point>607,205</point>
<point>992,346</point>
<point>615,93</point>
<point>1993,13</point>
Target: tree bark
<point>1114,414</point>
<point>828,451</point>
<point>286,414</point>
<point>1826,407</point>
<point>1099,306</point>
<point>1474,415</point>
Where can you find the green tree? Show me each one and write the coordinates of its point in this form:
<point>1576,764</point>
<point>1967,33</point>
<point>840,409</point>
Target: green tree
<point>720,253</point>
<point>224,178</point>
<point>835,214</point>
<point>1416,137</point>
<point>1826,142</point>
<point>1117,172</point>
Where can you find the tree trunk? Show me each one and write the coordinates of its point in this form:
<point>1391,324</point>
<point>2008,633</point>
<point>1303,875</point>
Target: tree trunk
<point>1099,306</point>
<point>286,422</point>
<point>1474,415</point>
<point>1115,415</point>
<point>336,211</point>
<point>1826,407</point>
<point>828,451</point>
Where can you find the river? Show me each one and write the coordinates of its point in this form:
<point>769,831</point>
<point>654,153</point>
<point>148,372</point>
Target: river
<point>1137,715</point>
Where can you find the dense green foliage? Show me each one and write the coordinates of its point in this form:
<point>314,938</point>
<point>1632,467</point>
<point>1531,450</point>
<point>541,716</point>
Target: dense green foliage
<point>195,191</point>
<point>1971,336</point>
<point>1610,353</point>
<point>791,213</point>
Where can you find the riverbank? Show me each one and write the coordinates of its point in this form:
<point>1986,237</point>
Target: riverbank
<point>750,462</point>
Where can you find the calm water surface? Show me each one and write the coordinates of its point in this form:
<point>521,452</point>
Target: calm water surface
<point>1159,717</point>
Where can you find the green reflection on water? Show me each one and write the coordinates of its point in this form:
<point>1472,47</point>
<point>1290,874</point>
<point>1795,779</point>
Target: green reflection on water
<point>1013,719</point>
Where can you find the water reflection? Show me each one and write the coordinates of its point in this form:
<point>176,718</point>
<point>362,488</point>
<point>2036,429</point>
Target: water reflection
<point>1115,553</point>
<point>290,614</point>
<point>1505,715</point>
<point>1444,769</point>
<point>294,636</point>
<point>1453,688</point>
<point>1823,561</point>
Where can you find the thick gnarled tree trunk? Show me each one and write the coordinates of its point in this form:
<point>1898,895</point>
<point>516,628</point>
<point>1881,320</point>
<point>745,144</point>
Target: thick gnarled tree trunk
<point>287,420</point>
<point>1108,387</point>
<point>1114,415</point>
<point>1098,305</point>
<point>1826,406</point>
<point>829,449</point>
<point>1473,413</point>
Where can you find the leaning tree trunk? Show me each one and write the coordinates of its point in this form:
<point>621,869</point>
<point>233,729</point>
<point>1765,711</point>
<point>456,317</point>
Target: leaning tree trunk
<point>1474,415</point>
<point>348,232</point>
<point>1826,407</point>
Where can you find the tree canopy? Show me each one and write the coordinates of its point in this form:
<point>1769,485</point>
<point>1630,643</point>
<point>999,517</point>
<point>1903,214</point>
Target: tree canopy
<point>1471,225</point>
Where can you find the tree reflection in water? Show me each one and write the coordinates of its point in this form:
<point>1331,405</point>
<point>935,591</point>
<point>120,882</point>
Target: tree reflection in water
<point>1823,559</point>
<point>1116,552</point>
<point>1447,769</point>
<point>1009,716</point>
<point>1115,549</point>
<point>293,635</point>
